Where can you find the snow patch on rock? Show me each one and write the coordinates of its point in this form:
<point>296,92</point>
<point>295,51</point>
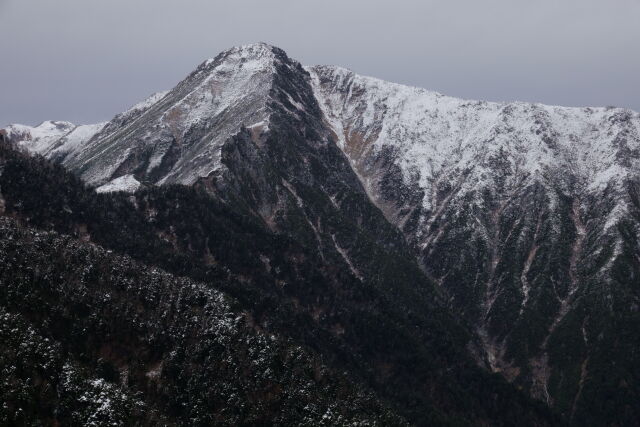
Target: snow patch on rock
<point>126,183</point>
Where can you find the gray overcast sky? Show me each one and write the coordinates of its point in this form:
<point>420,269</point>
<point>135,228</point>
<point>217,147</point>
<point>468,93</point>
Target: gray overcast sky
<point>86,60</point>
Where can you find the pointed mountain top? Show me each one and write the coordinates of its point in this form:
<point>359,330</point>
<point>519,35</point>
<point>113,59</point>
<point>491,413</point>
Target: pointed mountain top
<point>257,53</point>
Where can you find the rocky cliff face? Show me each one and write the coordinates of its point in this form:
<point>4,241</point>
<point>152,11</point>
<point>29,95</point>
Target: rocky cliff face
<point>524,216</point>
<point>522,213</point>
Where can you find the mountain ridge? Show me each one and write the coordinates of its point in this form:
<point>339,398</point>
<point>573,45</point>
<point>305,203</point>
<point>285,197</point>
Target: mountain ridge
<point>530,241</point>
<point>260,56</point>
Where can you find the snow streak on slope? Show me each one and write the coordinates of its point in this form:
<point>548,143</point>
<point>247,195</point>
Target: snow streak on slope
<point>73,141</point>
<point>126,183</point>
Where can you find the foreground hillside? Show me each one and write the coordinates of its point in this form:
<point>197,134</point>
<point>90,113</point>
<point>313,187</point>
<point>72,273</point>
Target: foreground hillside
<point>92,338</point>
<point>414,361</point>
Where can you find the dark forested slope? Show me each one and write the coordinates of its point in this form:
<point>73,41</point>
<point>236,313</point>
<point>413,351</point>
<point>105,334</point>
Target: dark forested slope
<point>93,338</point>
<point>401,344</point>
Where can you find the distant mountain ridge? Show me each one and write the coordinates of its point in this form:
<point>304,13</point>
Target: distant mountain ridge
<point>526,217</point>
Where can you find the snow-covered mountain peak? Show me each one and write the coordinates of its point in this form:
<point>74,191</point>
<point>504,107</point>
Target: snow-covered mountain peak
<point>52,138</point>
<point>38,138</point>
<point>178,135</point>
<point>180,132</point>
<point>259,54</point>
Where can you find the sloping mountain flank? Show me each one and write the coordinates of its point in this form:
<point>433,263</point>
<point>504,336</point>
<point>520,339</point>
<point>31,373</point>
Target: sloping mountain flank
<point>526,216</point>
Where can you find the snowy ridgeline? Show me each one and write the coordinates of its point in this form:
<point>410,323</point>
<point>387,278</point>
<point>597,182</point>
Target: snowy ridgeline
<point>431,135</point>
<point>52,138</point>
<point>434,135</point>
